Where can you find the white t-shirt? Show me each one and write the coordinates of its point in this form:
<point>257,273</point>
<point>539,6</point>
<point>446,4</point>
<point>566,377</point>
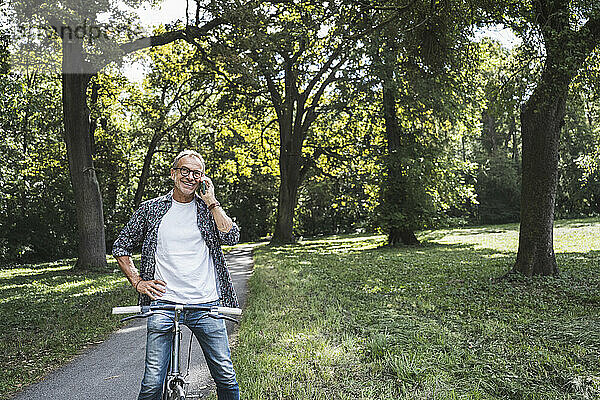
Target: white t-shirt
<point>182,257</point>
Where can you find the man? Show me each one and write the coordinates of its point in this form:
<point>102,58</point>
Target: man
<point>182,262</point>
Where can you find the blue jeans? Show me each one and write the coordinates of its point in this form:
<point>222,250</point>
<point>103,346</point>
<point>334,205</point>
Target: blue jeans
<point>212,336</point>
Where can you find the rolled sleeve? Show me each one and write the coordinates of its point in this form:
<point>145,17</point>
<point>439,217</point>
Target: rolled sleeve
<point>131,235</point>
<point>230,237</point>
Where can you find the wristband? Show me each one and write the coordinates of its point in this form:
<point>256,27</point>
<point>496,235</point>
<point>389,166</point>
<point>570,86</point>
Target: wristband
<point>213,205</point>
<point>138,282</point>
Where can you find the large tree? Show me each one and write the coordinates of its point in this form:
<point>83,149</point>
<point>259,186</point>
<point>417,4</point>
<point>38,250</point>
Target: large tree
<point>290,54</point>
<point>415,50</point>
<point>568,31</point>
<point>86,49</point>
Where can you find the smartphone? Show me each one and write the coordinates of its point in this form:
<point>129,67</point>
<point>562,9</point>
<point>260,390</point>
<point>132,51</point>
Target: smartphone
<point>203,187</point>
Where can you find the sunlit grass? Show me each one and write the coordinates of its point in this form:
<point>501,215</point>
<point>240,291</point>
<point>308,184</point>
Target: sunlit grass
<point>49,313</point>
<point>342,318</point>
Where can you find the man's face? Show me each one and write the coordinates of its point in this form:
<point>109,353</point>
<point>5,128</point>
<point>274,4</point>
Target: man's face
<point>187,185</point>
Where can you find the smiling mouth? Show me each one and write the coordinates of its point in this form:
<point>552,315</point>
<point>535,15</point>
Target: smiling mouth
<point>189,184</point>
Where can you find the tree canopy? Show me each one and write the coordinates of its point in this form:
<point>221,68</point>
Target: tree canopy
<point>314,118</point>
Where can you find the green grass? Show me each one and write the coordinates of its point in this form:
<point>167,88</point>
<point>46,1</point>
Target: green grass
<point>49,314</point>
<point>343,318</point>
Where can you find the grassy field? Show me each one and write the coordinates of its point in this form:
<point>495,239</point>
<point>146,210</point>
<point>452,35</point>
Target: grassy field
<point>49,314</point>
<point>343,318</point>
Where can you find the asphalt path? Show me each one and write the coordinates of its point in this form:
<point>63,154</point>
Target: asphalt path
<point>113,369</point>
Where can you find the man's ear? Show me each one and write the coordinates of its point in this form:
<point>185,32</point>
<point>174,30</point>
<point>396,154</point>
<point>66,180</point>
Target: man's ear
<point>173,172</point>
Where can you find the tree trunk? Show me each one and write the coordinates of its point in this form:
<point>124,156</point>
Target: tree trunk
<point>295,116</point>
<point>515,139</point>
<point>88,200</point>
<point>394,193</point>
<point>291,136</point>
<point>402,236</point>
<point>139,192</point>
<point>489,131</point>
<point>289,168</point>
<point>541,121</point>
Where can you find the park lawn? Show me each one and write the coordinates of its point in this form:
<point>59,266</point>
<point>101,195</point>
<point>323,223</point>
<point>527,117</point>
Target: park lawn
<point>49,314</point>
<point>343,318</point>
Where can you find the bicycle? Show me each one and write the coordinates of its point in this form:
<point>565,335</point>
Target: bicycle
<point>175,385</point>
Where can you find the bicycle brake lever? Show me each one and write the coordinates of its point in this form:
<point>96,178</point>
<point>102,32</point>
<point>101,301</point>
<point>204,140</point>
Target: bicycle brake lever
<point>141,315</point>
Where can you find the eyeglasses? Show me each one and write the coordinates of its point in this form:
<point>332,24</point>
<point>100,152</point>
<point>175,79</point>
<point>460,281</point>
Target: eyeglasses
<point>196,173</point>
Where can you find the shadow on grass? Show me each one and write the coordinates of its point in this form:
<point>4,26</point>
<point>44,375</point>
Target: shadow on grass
<point>420,317</point>
<point>51,314</point>
<point>37,301</point>
<point>23,277</point>
<point>468,232</point>
<point>576,223</point>
<point>463,266</point>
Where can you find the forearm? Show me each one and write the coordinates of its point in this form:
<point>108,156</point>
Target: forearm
<point>153,288</point>
<point>130,271</point>
<point>224,223</point>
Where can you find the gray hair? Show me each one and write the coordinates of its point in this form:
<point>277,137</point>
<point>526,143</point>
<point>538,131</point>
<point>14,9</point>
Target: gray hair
<point>186,153</point>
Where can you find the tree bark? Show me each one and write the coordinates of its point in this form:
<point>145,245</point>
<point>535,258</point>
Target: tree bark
<point>402,236</point>
<point>290,164</point>
<point>289,167</point>
<point>139,192</point>
<point>88,199</point>
<point>393,193</point>
<point>515,139</point>
<point>489,131</point>
<point>542,118</point>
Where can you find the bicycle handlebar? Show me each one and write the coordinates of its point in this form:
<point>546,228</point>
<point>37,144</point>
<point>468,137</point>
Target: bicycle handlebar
<point>127,310</point>
<point>173,307</point>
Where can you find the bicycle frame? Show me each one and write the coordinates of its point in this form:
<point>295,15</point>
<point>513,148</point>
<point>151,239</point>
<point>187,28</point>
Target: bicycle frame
<point>175,386</point>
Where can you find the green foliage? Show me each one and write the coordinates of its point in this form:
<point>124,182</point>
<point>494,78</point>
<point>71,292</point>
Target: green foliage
<point>340,191</point>
<point>36,207</point>
<point>343,318</point>
<point>4,54</point>
<point>579,166</point>
<point>420,63</point>
<point>113,151</point>
<point>251,202</point>
<point>183,103</point>
<point>498,190</point>
<point>427,178</point>
<point>408,202</point>
<point>505,77</point>
<point>333,205</point>
<point>97,29</point>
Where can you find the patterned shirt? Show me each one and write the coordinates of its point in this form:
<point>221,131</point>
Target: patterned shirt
<point>143,228</point>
